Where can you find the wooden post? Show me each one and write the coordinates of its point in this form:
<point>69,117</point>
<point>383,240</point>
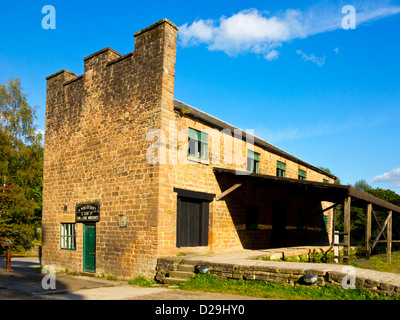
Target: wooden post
<point>336,247</point>
<point>389,237</point>
<point>346,209</point>
<point>8,260</point>
<point>368,230</point>
<point>382,230</point>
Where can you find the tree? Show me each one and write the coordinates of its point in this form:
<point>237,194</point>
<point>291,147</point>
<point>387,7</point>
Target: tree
<point>21,165</point>
<point>358,214</point>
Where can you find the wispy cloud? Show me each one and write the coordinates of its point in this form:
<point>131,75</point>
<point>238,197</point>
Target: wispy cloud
<point>354,121</point>
<point>392,177</point>
<point>318,61</point>
<point>262,33</point>
<point>294,133</point>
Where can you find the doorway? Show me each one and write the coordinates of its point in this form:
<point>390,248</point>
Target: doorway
<point>279,212</point>
<point>89,247</point>
<point>192,223</point>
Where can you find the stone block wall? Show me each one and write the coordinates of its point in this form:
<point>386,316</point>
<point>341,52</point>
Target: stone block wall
<point>227,217</point>
<point>95,151</point>
<point>282,274</point>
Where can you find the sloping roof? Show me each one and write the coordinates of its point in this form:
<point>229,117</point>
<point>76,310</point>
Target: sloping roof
<point>201,116</point>
<point>322,191</point>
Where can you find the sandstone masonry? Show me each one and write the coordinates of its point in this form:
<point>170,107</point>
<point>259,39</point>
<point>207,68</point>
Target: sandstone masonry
<point>96,151</point>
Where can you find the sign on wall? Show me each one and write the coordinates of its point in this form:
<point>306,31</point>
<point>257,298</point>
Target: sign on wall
<point>88,212</point>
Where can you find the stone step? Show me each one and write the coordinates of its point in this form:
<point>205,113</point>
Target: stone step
<point>185,267</point>
<point>169,280</point>
<point>181,275</point>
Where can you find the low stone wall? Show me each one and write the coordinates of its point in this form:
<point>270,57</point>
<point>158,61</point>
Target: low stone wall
<point>273,274</point>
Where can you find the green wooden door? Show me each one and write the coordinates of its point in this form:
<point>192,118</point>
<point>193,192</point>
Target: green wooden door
<point>89,247</point>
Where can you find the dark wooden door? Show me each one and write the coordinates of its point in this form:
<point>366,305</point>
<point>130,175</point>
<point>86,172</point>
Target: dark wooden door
<point>89,247</point>
<point>192,222</point>
<point>279,212</point>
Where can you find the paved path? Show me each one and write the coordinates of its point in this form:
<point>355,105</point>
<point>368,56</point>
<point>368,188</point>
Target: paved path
<point>24,282</point>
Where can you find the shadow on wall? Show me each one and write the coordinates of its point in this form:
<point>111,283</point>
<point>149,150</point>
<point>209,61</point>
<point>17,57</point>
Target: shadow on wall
<point>271,217</point>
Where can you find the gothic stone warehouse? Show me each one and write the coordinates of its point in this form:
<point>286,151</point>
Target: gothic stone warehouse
<point>123,187</point>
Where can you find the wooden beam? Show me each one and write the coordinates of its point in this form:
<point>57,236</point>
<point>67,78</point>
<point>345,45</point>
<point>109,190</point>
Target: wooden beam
<point>346,208</point>
<point>389,237</point>
<point>331,207</point>
<point>377,221</point>
<point>226,192</point>
<point>368,230</point>
<point>369,198</point>
<point>380,232</point>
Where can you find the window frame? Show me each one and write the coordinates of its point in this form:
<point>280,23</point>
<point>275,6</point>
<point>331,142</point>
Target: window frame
<point>280,169</point>
<point>302,174</point>
<point>253,161</point>
<point>67,236</point>
<point>198,141</point>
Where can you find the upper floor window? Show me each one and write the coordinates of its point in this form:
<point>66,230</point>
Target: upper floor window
<point>198,144</point>
<point>253,161</point>
<point>302,175</point>
<point>325,181</point>
<point>280,169</point>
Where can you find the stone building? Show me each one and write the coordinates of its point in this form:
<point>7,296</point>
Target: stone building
<point>131,174</point>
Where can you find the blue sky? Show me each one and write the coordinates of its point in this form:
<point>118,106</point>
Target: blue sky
<point>287,69</point>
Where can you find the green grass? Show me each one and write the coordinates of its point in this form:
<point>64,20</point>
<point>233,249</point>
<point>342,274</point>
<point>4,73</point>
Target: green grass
<point>379,263</point>
<point>263,289</point>
<point>141,282</point>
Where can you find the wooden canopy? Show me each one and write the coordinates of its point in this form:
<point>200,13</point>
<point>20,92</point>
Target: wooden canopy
<point>337,194</point>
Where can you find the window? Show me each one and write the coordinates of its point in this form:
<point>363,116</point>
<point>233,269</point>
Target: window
<point>325,181</point>
<point>198,144</point>
<point>67,236</point>
<point>324,224</point>
<point>302,175</point>
<point>301,221</point>
<point>253,161</point>
<point>251,218</point>
<point>280,169</point>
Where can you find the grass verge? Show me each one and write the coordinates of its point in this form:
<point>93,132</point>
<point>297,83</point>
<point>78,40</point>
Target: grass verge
<point>263,289</point>
<point>379,263</point>
<point>141,282</point>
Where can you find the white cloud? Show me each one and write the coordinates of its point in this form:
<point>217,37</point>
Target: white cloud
<point>199,32</point>
<point>262,33</point>
<point>336,50</point>
<point>392,177</point>
<point>272,55</point>
<point>318,61</point>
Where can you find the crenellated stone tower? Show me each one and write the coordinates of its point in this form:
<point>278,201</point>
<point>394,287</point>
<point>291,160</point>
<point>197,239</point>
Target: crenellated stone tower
<point>95,152</point>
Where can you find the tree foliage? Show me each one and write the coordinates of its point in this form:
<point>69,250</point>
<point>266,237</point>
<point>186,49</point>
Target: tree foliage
<point>21,166</point>
<point>358,215</point>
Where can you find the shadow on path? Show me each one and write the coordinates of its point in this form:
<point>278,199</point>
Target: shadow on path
<point>24,281</point>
